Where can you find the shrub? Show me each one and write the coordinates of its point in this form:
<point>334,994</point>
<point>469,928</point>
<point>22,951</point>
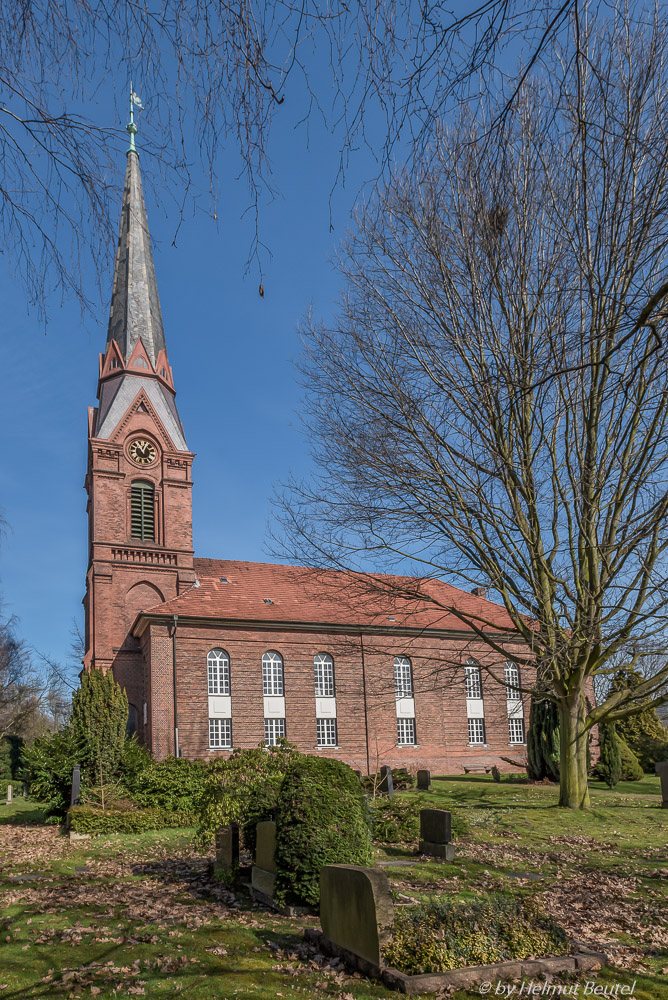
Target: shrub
<point>442,934</point>
<point>395,820</point>
<point>402,778</point>
<point>321,819</point>
<point>242,789</point>
<point>630,769</point>
<point>47,769</point>
<point>84,819</point>
<point>609,766</point>
<point>174,784</point>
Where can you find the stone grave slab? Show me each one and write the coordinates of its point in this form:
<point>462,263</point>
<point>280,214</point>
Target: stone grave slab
<point>356,909</point>
<point>227,846</point>
<point>386,785</point>
<point>423,780</point>
<point>263,872</point>
<point>662,770</point>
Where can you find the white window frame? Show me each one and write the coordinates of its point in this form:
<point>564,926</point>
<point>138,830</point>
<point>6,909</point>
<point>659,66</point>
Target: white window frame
<point>473,680</point>
<point>274,730</point>
<point>323,671</point>
<point>406,733</point>
<point>512,678</point>
<point>326,733</point>
<point>516,722</point>
<point>218,672</point>
<point>220,734</point>
<point>477,734</point>
<point>272,673</point>
<point>403,677</point>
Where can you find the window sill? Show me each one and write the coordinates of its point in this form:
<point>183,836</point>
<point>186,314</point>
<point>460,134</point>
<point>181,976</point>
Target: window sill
<point>402,746</point>
<point>483,745</point>
<point>329,746</point>
<point>212,749</point>
<point>523,743</point>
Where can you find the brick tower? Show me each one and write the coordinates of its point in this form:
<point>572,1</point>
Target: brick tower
<point>138,480</point>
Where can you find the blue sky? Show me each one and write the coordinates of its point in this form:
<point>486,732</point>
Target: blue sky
<point>232,355</point>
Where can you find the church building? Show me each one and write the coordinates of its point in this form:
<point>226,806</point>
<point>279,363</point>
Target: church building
<point>216,654</point>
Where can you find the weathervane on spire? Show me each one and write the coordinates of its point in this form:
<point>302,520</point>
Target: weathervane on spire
<point>131,127</point>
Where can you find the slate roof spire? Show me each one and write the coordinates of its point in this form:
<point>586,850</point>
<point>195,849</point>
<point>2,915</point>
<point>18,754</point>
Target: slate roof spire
<point>135,306</point>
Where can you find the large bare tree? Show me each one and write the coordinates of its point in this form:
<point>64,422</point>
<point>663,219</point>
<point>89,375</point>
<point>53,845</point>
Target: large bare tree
<point>216,76</point>
<point>490,404</point>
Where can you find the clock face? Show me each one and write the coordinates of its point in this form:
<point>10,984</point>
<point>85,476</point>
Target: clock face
<point>143,452</point>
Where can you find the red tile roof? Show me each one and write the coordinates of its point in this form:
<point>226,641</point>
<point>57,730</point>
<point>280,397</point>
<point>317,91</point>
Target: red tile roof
<point>268,592</point>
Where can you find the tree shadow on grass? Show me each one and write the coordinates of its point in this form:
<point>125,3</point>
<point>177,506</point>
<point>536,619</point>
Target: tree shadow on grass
<point>27,817</point>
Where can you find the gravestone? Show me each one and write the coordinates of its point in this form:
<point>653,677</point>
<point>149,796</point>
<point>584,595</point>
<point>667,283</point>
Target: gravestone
<point>10,791</point>
<point>263,872</point>
<point>386,785</point>
<point>436,834</point>
<point>76,786</point>
<point>423,780</point>
<point>227,846</point>
<point>356,909</point>
<point>662,770</point>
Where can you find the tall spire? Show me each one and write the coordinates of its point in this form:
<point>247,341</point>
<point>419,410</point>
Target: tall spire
<point>135,305</point>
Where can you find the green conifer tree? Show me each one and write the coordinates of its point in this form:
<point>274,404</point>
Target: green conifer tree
<point>631,768</point>
<point>99,721</point>
<point>646,737</point>
<point>609,766</point>
<point>543,740</point>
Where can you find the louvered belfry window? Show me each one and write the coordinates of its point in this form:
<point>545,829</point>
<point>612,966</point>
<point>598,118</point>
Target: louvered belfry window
<point>142,511</point>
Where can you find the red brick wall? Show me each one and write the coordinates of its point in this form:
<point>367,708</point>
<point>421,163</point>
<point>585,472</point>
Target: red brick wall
<point>438,678</point>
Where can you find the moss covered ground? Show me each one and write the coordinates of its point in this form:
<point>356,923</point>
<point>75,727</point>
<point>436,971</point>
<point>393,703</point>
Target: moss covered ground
<point>138,915</point>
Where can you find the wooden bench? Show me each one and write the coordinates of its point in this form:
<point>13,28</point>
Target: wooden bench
<point>477,769</point>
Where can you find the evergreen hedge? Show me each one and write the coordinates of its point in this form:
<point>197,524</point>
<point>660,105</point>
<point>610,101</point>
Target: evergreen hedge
<point>84,819</point>
<point>321,819</point>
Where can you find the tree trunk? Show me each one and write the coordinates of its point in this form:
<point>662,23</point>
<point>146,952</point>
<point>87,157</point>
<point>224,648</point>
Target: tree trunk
<point>573,788</point>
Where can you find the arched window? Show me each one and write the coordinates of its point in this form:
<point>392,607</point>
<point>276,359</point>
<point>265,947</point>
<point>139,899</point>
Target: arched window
<point>403,677</point>
<point>218,670</point>
<point>142,511</point>
<point>272,673</point>
<point>473,680</point>
<point>323,666</point>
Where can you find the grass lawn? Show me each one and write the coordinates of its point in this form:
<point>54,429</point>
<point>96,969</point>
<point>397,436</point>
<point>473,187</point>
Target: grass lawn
<point>138,914</point>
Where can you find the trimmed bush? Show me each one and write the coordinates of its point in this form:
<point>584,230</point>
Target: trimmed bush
<point>442,934</point>
<point>242,789</point>
<point>83,819</point>
<point>321,819</point>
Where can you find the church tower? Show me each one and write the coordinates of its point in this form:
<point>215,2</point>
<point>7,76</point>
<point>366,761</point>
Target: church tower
<point>139,467</point>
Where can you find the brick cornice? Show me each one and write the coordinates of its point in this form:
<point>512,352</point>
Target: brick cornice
<point>144,619</point>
